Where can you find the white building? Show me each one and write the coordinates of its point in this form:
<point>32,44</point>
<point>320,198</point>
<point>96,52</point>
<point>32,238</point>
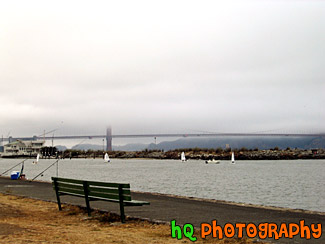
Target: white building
<point>22,148</point>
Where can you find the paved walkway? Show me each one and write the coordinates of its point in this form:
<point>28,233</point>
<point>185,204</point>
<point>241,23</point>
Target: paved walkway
<point>183,210</point>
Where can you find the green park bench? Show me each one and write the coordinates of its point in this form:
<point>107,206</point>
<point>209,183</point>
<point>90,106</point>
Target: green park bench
<point>93,190</point>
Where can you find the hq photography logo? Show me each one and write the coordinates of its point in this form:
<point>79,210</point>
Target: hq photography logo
<point>261,231</point>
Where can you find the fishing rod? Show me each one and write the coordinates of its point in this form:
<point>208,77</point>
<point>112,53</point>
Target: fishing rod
<point>57,161</point>
<point>14,167</point>
<point>22,170</point>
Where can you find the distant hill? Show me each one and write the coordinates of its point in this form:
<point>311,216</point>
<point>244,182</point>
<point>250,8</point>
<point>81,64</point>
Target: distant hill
<point>131,147</point>
<point>86,147</point>
<point>127,147</point>
<point>61,148</point>
<point>239,142</point>
<point>234,142</point>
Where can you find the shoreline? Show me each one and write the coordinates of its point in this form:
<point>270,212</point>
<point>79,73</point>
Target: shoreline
<point>319,157</point>
<point>239,204</point>
<point>209,200</point>
<point>198,199</point>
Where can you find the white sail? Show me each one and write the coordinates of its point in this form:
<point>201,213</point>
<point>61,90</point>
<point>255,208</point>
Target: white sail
<point>183,157</point>
<point>37,158</point>
<point>106,158</point>
<point>233,157</point>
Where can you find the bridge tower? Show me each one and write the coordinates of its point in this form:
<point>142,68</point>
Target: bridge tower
<point>109,139</point>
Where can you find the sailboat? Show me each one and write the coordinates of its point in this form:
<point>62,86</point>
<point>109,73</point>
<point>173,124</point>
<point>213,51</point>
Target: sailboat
<point>37,158</point>
<point>183,157</point>
<point>232,157</point>
<point>212,161</point>
<point>106,158</point>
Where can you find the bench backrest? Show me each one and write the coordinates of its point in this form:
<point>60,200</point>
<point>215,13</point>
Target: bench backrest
<point>93,189</point>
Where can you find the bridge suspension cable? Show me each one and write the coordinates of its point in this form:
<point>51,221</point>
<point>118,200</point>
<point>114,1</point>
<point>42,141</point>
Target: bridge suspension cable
<point>171,135</point>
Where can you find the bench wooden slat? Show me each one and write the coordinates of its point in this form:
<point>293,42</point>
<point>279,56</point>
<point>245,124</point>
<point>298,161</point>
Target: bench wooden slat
<point>68,190</point>
<point>70,186</point>
<point>103,199</point>
<point>62,193</point>
<point>68,180</point>
<point>109,190</point>
<point>93,183</point>
<point>108,184</point>
<point>108,196</point>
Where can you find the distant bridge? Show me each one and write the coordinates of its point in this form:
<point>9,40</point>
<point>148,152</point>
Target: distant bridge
<point>109,136</point>
<point>165,135</point>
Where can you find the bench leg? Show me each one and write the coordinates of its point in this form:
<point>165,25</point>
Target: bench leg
<point>57,194</point>
<point>88,206</point>
<point>120,191</point>
<point>122,212</point>
<point>85,185</point>
<point>59,202</point>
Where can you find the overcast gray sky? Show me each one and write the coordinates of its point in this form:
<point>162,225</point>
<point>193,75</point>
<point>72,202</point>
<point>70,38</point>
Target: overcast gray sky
<point>161,66</point>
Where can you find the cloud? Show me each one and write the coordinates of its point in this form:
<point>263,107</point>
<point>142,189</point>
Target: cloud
<point>168,66</point>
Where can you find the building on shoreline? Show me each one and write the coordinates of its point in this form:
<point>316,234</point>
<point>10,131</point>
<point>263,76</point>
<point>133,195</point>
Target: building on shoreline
<point>21,148</point>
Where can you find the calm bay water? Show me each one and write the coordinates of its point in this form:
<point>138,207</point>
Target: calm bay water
<point>296,184</point>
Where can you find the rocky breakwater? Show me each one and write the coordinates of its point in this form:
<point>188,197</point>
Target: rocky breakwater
<point>206,154</point>
<point>272,154</point>
<point>219,154</point>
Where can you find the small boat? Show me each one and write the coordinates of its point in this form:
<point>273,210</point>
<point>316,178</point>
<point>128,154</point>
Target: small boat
<point>106,158</point>
<point>37,158</point>
<point>232,157</point>
<point>183,157</point>
<point>212,161</point>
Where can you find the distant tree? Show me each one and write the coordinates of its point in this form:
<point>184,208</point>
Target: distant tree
<point>196,150</point>
<point>219,150</point>
<point>228,149</point>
